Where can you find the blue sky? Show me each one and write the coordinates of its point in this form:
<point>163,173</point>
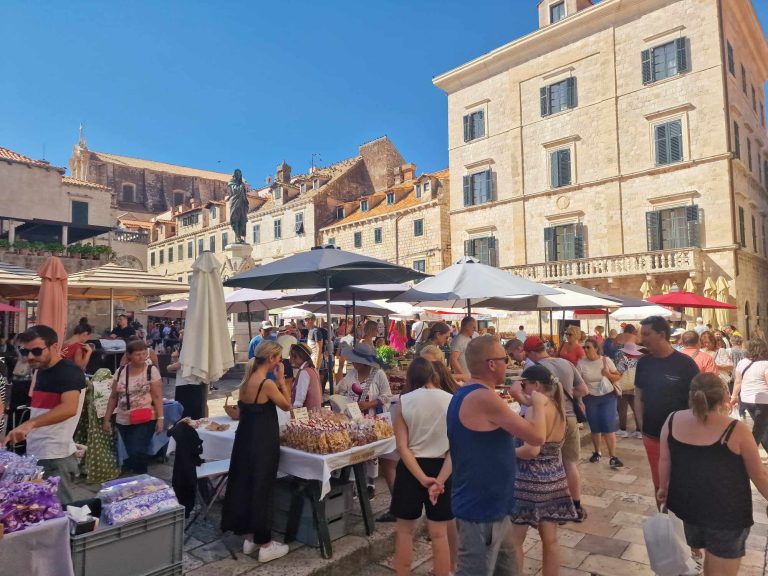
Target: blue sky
<point>227,84</point>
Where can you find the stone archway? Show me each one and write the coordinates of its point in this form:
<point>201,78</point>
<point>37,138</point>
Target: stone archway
<point>129,262</point>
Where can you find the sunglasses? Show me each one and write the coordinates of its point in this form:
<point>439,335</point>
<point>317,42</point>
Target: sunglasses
<point>505,359</point>
<point>32,351</point>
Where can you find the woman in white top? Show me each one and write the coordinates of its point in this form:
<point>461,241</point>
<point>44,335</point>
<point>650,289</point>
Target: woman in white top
<point>751,387</point>
<point>423,473</point>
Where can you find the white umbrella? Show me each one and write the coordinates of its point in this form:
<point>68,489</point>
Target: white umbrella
<point>637,313</point>
<point>343,308</point>
<point>173,309</point>
<point>206,353</point>
<point>563,299</point>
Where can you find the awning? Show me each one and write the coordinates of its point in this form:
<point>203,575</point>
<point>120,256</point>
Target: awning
<point>120,283</point>
<point>16,281</point>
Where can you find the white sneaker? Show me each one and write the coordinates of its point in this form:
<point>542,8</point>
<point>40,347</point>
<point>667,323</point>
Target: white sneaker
<point>248,547</point>
<point>622,434</point>
<point>272,551</point>
<point>637,434</point>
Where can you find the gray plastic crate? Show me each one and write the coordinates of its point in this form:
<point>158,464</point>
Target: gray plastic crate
<point>151,546</point>
<point>307,533</point>
<point>337,502</point>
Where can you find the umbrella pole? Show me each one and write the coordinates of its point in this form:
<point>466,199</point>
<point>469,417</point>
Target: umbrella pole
<point>354,321</point>
<point>469,307</point>
<point>607,322</point>
<point>111,320</point>
<point>541,330</point>
<point>551,331</point>
<point>248,311</point>
<point>328,318</point>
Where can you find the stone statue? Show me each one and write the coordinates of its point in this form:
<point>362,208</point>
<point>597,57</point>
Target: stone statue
<point>238,206</point>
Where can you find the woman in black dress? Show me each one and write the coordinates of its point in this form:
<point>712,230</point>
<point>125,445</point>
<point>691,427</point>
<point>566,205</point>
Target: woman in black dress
<point>256,454</point>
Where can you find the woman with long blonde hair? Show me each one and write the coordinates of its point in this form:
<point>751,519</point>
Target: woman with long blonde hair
<point>256,454</point>
<point>398,338</point>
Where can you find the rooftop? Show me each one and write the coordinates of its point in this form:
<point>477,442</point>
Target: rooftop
<point>162,167</point>
<point>83,183</point>
<point>11,156</point>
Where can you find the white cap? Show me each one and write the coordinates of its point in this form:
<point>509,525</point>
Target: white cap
<point>266,325</point>
<point>700,320</point>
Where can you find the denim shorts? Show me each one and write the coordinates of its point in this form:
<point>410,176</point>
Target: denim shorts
<point>728,544</point>
<point>602,414</point>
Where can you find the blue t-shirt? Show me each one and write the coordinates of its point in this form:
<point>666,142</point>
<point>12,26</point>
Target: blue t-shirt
<point>258,340</point>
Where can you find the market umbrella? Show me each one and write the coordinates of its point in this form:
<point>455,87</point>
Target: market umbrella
<point>468,283</point>
<point>248,300</point>
<point>722,295</point>
<point>688,299</point>
<point>52,298</point>
<point>645,289</point>
<point>173,309</point>
<point>637,313</point>
<point>16,281</point>
<point>8,308</point>
<point>343,308</point>
<point>710,291</point>
<point>689,286</point>
<point>206,353</point>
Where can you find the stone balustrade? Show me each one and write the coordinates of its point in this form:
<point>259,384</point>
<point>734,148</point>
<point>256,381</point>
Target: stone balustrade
<point>130,236</point>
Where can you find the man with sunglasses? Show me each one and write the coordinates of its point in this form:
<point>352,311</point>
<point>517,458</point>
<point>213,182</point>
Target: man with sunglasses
<point>57,401</point>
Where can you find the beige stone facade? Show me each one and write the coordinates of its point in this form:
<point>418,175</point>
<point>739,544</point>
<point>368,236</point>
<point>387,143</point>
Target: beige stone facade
<point>602,149</point>
<point>407,224</point>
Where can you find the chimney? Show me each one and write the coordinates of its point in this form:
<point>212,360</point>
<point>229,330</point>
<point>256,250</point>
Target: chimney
<point>409,171</point>
<point>283,173</point>
<point>397,173</point>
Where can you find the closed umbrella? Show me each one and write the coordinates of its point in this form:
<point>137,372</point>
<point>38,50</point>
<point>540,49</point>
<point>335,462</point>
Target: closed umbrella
<point>689,286</point>
<point>665,288</point>
<point>645,290</point>
<point>206,353</point>
<point>52,298</point>
<point>722,295</point>
<point>710,291</point>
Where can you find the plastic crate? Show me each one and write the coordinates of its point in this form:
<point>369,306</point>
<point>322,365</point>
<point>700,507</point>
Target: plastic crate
<point>337,502</point>
<point>307,533</point>
<point>151,546</point>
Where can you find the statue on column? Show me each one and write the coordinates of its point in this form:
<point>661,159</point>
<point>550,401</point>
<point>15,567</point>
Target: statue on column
<point>238,206</point>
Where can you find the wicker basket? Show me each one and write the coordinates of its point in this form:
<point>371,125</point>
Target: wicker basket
<point>232,411</point>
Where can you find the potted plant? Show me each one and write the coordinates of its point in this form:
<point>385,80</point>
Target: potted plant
<point>5,245</point>
<point>38,248</point>
<point>75,251</point>
<point>55,248</point>
<point>22,246</point>
<point>103,252</point>
<point>88,251</point>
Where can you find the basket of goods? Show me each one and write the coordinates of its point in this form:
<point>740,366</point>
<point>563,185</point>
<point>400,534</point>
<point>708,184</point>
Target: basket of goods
<point>322,433</point>
<point>232,410</point>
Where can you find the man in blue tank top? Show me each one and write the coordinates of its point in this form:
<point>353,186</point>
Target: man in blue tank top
<point>481,428</point>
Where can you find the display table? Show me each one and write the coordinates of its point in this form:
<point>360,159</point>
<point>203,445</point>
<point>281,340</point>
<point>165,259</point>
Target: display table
<point>41,550</point>
<point>315,469</point>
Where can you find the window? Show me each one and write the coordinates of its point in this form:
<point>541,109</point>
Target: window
<point>731,61</point>
<point>161,253</point>
<point>189,278</point>
<point>483,249</point>
<point>418,190</point>
<point>170,254</point>
<point>426,187</point>
<point>214,212</point>
<point>418,227</point>
<point>420,266</point>
<point>152,259</point>
<point>302,187</point>
<point>669,142</point>
<point>560,168</point>
<point>257,233</point>
<point>331,241</point>
<point>742,229</point>
<point>79,212</point>
<point>478,188</point>
<point>190,249</point>
<point>377,235</point>
<point>754,234</point>
<point>673,228</point>
<point>180,252</point>
<point>339,212</point>
<point>212,243</point>
<point>564,242</point>
<point>315,184</point>
<point>749,154</point>
<point>474,126</point>
<point>558,97</point>
<point>277,226</point>
<point>128,193</point>
<point>190,219</point>
<point>765,172</point>
<point>278,192</point>
<point>754,99</point>
<point>743,79</point>
<point>358,239</point>
<point>299,223</point>
<point>178,198</point>
<point>224,240</point>
<point>390,198</point>
<point>736,141</point>
<point>665,61</point>
<point>364,206</point>
<point>556,12</point>
<point>199,246</point>
<point>180,279</point>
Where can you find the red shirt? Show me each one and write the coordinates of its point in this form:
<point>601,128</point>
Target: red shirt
<point>573,353</point>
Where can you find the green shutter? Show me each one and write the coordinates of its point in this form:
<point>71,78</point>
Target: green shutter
<point>662,151</point>
<point>487,178</point>
<point>578,241</point>
<point>682,54</point>
<point>675,137</point>
<point>736,141</point>
<point>467,191</point>
<point>479,124</point>
<point>467,133</point>
<point>550,248</point>
<point>554,169</point>
<point>493,255</point>
<point>694,225</point>
<point>564,167</point>
<point>652,228</point>
<point>469,248</point>
<point>544,95</point>
<point>647,57</point>
<point>571,85</point>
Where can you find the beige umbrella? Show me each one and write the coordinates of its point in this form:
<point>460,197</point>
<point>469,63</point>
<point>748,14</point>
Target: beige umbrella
<point>645,290</point>
<point>710,291</point>
<point>722,314</point>
<point>689,286</point>
<point>16,281</point>
<point>665,288</point>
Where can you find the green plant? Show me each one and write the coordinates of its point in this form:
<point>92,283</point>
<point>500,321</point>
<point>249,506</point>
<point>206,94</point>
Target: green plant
<point>55,248</point>
<point>87,250</point>
<point>75,249</point>
<point>386,355</point>
<point>5,244</point>
<point>37,247</point>
<point>103,250</point>
<point>22,245</point>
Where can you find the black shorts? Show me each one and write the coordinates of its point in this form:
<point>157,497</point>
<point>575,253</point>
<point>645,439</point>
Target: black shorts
<point>410,498</point>
<point>728,544</point>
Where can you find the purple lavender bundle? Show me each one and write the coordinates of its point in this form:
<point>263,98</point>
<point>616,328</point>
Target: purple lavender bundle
<point>24,504</point>
<point>6,458</point>
<point>139,506</point>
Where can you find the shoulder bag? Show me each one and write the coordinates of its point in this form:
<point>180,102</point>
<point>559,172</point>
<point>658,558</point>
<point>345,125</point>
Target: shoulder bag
<point>578,410</point>
<point>138,415</point>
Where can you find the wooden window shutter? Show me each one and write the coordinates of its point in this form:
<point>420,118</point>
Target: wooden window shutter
<point>694,225</point>
<point>488,177</point>
<point>736,141</point>
<point>572,100</point>
<point>564,167</point>
<point>662,153</point>
<point>578,241</point>
<point>675,137</point>
<point>544,95</point>
<point>653,227</point>
<point>467,190</point>
<point>493,254</point>
<point>647,62</point>
<point>554,169</point>
<point>479,124</point>
<point>550,248</point>
<point>467,134</point>
<point>469,247</point>
<point>682,54</point>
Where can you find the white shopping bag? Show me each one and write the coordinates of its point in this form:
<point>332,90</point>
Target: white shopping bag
<point>665,541</point>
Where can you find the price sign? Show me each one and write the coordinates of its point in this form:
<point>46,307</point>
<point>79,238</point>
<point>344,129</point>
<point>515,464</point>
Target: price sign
<point>301,414</point>
<point>353,411</point>
<point>363,456</point>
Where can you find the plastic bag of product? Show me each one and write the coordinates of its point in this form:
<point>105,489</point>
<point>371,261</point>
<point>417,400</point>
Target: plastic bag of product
<point>135,486</point>
<point>668,551</point>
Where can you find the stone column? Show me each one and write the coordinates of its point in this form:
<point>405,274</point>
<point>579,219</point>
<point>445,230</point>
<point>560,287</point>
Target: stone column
<point>237,253</point>
<point>65,235</point>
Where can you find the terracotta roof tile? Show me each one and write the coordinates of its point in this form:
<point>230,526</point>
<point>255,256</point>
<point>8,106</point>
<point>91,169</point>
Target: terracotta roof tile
<point>83,183</point>
<point>408,201</point>
<point>10,155</point>
<point>162,167</point>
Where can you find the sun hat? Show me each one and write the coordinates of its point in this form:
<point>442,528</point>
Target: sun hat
<point>267,325</point>
<point>537,373</point>
<point>302,349</point>
<point>533,344</point>
<point>631,349</point>
<point>360,354</point>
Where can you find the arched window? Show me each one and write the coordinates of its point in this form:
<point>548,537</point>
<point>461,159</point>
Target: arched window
<point>128,192</point>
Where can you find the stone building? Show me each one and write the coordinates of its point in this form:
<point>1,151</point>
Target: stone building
<point>407,224</point>
<point>622,146</point>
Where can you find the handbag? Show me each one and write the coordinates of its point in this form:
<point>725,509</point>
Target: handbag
<point>578,410</point>
<point>606,385</point>
<point>665,543</point>
<point>138,415</point>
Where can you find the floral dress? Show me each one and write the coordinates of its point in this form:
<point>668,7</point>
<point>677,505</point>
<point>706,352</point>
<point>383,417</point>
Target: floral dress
<point>100,461</point>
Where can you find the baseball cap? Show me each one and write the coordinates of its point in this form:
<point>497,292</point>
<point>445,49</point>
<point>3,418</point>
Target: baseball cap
<point>533,344</point>
<point>537,373</point>
<point>309,316</point>
<point>266,325</point>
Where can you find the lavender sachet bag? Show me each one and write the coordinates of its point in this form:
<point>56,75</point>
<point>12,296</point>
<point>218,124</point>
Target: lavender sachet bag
<point>24,504</point>
<point>139,506</point>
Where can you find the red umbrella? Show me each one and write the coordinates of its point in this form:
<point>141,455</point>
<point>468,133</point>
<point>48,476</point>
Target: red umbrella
<point>688,300</point>
<point>52,299</point>
<point>8,308</point>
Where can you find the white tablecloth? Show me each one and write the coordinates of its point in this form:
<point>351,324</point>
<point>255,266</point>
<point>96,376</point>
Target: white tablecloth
<point>41,550</point>
<point>218,446</point>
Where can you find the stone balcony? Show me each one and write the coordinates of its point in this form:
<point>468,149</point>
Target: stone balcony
<point>684,260</point>
<point>130,236</point>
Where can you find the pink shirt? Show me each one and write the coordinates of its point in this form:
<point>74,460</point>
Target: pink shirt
<point>397,342</point>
